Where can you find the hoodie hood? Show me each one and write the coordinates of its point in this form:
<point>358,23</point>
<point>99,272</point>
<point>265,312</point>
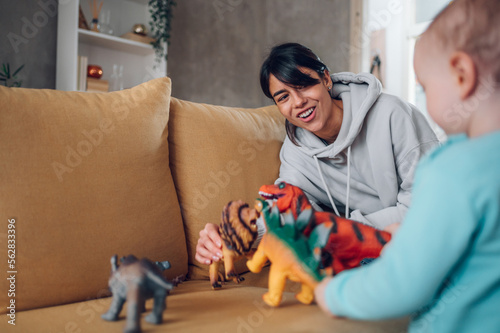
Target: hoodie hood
<point>358,93</point>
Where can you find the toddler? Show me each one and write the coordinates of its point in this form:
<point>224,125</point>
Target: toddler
<point>442,266</point>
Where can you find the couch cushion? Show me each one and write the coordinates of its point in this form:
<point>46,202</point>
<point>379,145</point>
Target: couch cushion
<point>85,176</point>
<point>194,307</point>
<point>218,154</point>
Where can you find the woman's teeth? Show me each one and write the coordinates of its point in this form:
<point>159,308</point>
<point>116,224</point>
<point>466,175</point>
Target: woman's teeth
<point>306,113</point>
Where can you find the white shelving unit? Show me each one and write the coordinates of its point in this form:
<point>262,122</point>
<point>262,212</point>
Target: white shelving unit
<point>138,59</point>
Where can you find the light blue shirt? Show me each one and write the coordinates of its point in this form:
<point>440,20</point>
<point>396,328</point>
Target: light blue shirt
<point>442,267</point>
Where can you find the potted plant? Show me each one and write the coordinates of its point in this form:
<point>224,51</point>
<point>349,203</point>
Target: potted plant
<point>161,18</point>
<point>10,79</point>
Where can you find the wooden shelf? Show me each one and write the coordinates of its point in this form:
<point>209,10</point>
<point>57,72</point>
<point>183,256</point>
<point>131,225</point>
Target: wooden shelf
<point>113,42</point>
<point>137,58</point>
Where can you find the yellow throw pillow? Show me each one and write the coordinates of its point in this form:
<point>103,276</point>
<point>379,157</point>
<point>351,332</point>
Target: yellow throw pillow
<point>219,154</point>
<point>85,176</point>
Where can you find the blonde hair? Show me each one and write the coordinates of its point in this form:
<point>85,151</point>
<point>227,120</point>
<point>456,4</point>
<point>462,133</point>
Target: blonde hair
<point>473,27</point>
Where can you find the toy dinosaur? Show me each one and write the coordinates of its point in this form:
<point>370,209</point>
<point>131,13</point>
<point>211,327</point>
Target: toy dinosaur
<point>292,255</point>
<point>238,231</point>
<point>135,281</point>
<point>305,245</point>
<point>349,243</point>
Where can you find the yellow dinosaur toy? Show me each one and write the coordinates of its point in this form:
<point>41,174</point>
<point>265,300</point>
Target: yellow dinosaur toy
<point>292,255</point>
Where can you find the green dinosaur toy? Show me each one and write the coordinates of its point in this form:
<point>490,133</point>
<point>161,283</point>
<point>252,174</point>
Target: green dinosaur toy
<point>292,255</point>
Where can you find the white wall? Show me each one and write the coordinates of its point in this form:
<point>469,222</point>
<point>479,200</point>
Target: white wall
<point>393,16</point>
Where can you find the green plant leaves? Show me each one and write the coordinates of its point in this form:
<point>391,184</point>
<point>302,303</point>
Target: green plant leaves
<point>161,18</point>
<point>5,75</point>
<point>17,70</point>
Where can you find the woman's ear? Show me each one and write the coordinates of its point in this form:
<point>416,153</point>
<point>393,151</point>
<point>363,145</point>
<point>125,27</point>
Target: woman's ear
<point>327,80</point>
<point>464,72</point>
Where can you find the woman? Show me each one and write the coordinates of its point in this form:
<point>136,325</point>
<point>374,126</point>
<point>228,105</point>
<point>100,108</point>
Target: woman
<point>351,148</point>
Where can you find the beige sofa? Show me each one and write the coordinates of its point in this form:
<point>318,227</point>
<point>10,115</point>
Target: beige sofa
<point>84,176</point>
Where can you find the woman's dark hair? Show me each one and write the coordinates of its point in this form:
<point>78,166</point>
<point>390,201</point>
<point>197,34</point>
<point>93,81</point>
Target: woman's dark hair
<point>283,63</point>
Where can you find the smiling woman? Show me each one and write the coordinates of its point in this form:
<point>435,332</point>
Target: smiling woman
<point>291,76</point>
<point>350,147</point>
<point>295,104</point>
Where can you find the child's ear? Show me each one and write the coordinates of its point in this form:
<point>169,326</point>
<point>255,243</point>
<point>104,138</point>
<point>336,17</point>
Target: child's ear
<point>464,73</point>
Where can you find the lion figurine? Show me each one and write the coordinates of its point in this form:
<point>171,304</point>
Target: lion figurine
<point>238,230</point>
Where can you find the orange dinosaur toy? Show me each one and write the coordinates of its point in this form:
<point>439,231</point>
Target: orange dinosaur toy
<point>349,241</point>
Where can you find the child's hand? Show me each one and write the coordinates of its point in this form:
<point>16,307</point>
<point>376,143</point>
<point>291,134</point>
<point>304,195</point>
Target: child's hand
<point>319,294</point>
<point>209,246</point>
<point>392,228</point>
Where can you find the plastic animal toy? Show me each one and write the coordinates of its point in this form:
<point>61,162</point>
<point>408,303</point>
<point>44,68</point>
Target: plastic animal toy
<point>292,255</point>
<point>238,231</point>
<point>305,245</point>
<point>135,281</point>
<point>350,242</point>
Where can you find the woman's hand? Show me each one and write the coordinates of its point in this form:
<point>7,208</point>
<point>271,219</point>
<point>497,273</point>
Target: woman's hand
<point>209,246</point>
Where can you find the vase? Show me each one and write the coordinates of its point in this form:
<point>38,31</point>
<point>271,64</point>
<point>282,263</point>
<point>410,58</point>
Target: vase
<point>94,26</point>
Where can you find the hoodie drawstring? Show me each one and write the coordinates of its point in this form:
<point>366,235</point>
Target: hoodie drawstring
<point>348,190</point>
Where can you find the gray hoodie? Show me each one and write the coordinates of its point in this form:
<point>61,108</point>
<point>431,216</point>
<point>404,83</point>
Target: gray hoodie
<point>368,170</point>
